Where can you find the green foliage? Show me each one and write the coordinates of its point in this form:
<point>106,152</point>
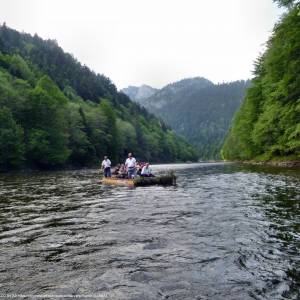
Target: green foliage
<point>17,66</point>
<point>127,135</point>
<point>287,3</point>
<point>83,152</point>
<point>46,126</point>
<point>267,125</point>
<point>11,141</point>
<point>111,130</point>
<point>54,112</point>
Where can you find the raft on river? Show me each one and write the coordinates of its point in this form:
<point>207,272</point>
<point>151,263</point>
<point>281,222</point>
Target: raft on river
<point>168,179</point>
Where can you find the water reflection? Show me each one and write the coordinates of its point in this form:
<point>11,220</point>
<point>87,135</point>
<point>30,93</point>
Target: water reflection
<point>224,232</point>
<point>281,203</point>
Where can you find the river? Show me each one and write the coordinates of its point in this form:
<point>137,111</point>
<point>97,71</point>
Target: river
<point>225,231</point>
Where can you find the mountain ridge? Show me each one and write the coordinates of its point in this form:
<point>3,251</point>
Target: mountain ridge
<point>198,110</point>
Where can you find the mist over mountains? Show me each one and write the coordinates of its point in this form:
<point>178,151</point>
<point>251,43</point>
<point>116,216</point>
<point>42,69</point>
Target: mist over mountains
<point>139,94</point>
<point>197,109</point>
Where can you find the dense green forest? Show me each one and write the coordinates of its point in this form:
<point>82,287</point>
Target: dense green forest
<point>198,110</point>
<point>267,127</point>
<point>55,112</point>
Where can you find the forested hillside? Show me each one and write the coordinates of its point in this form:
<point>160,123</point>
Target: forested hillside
<point>55,112</point>
<point>199,110</point>
<point>268,124</point>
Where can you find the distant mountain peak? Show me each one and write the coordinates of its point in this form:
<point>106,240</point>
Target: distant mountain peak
<point>139,93</point>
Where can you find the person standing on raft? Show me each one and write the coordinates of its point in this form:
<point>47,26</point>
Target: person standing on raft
<point>130,165</point>
<point>106,165</point>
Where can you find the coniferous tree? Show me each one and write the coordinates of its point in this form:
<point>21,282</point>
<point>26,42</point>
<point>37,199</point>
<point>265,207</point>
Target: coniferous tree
<point>11,141</point>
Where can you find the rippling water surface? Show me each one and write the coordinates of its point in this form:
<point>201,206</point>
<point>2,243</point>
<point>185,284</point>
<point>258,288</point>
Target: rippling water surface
<point>224,232</point>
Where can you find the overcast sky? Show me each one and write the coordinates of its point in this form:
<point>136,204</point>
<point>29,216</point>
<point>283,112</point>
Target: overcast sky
<point>152,42</point>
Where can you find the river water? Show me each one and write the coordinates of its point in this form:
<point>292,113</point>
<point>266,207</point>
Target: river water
<point>224,232</point>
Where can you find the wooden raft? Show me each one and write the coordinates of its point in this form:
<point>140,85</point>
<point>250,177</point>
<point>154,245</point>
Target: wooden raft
<point>169,179</point>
